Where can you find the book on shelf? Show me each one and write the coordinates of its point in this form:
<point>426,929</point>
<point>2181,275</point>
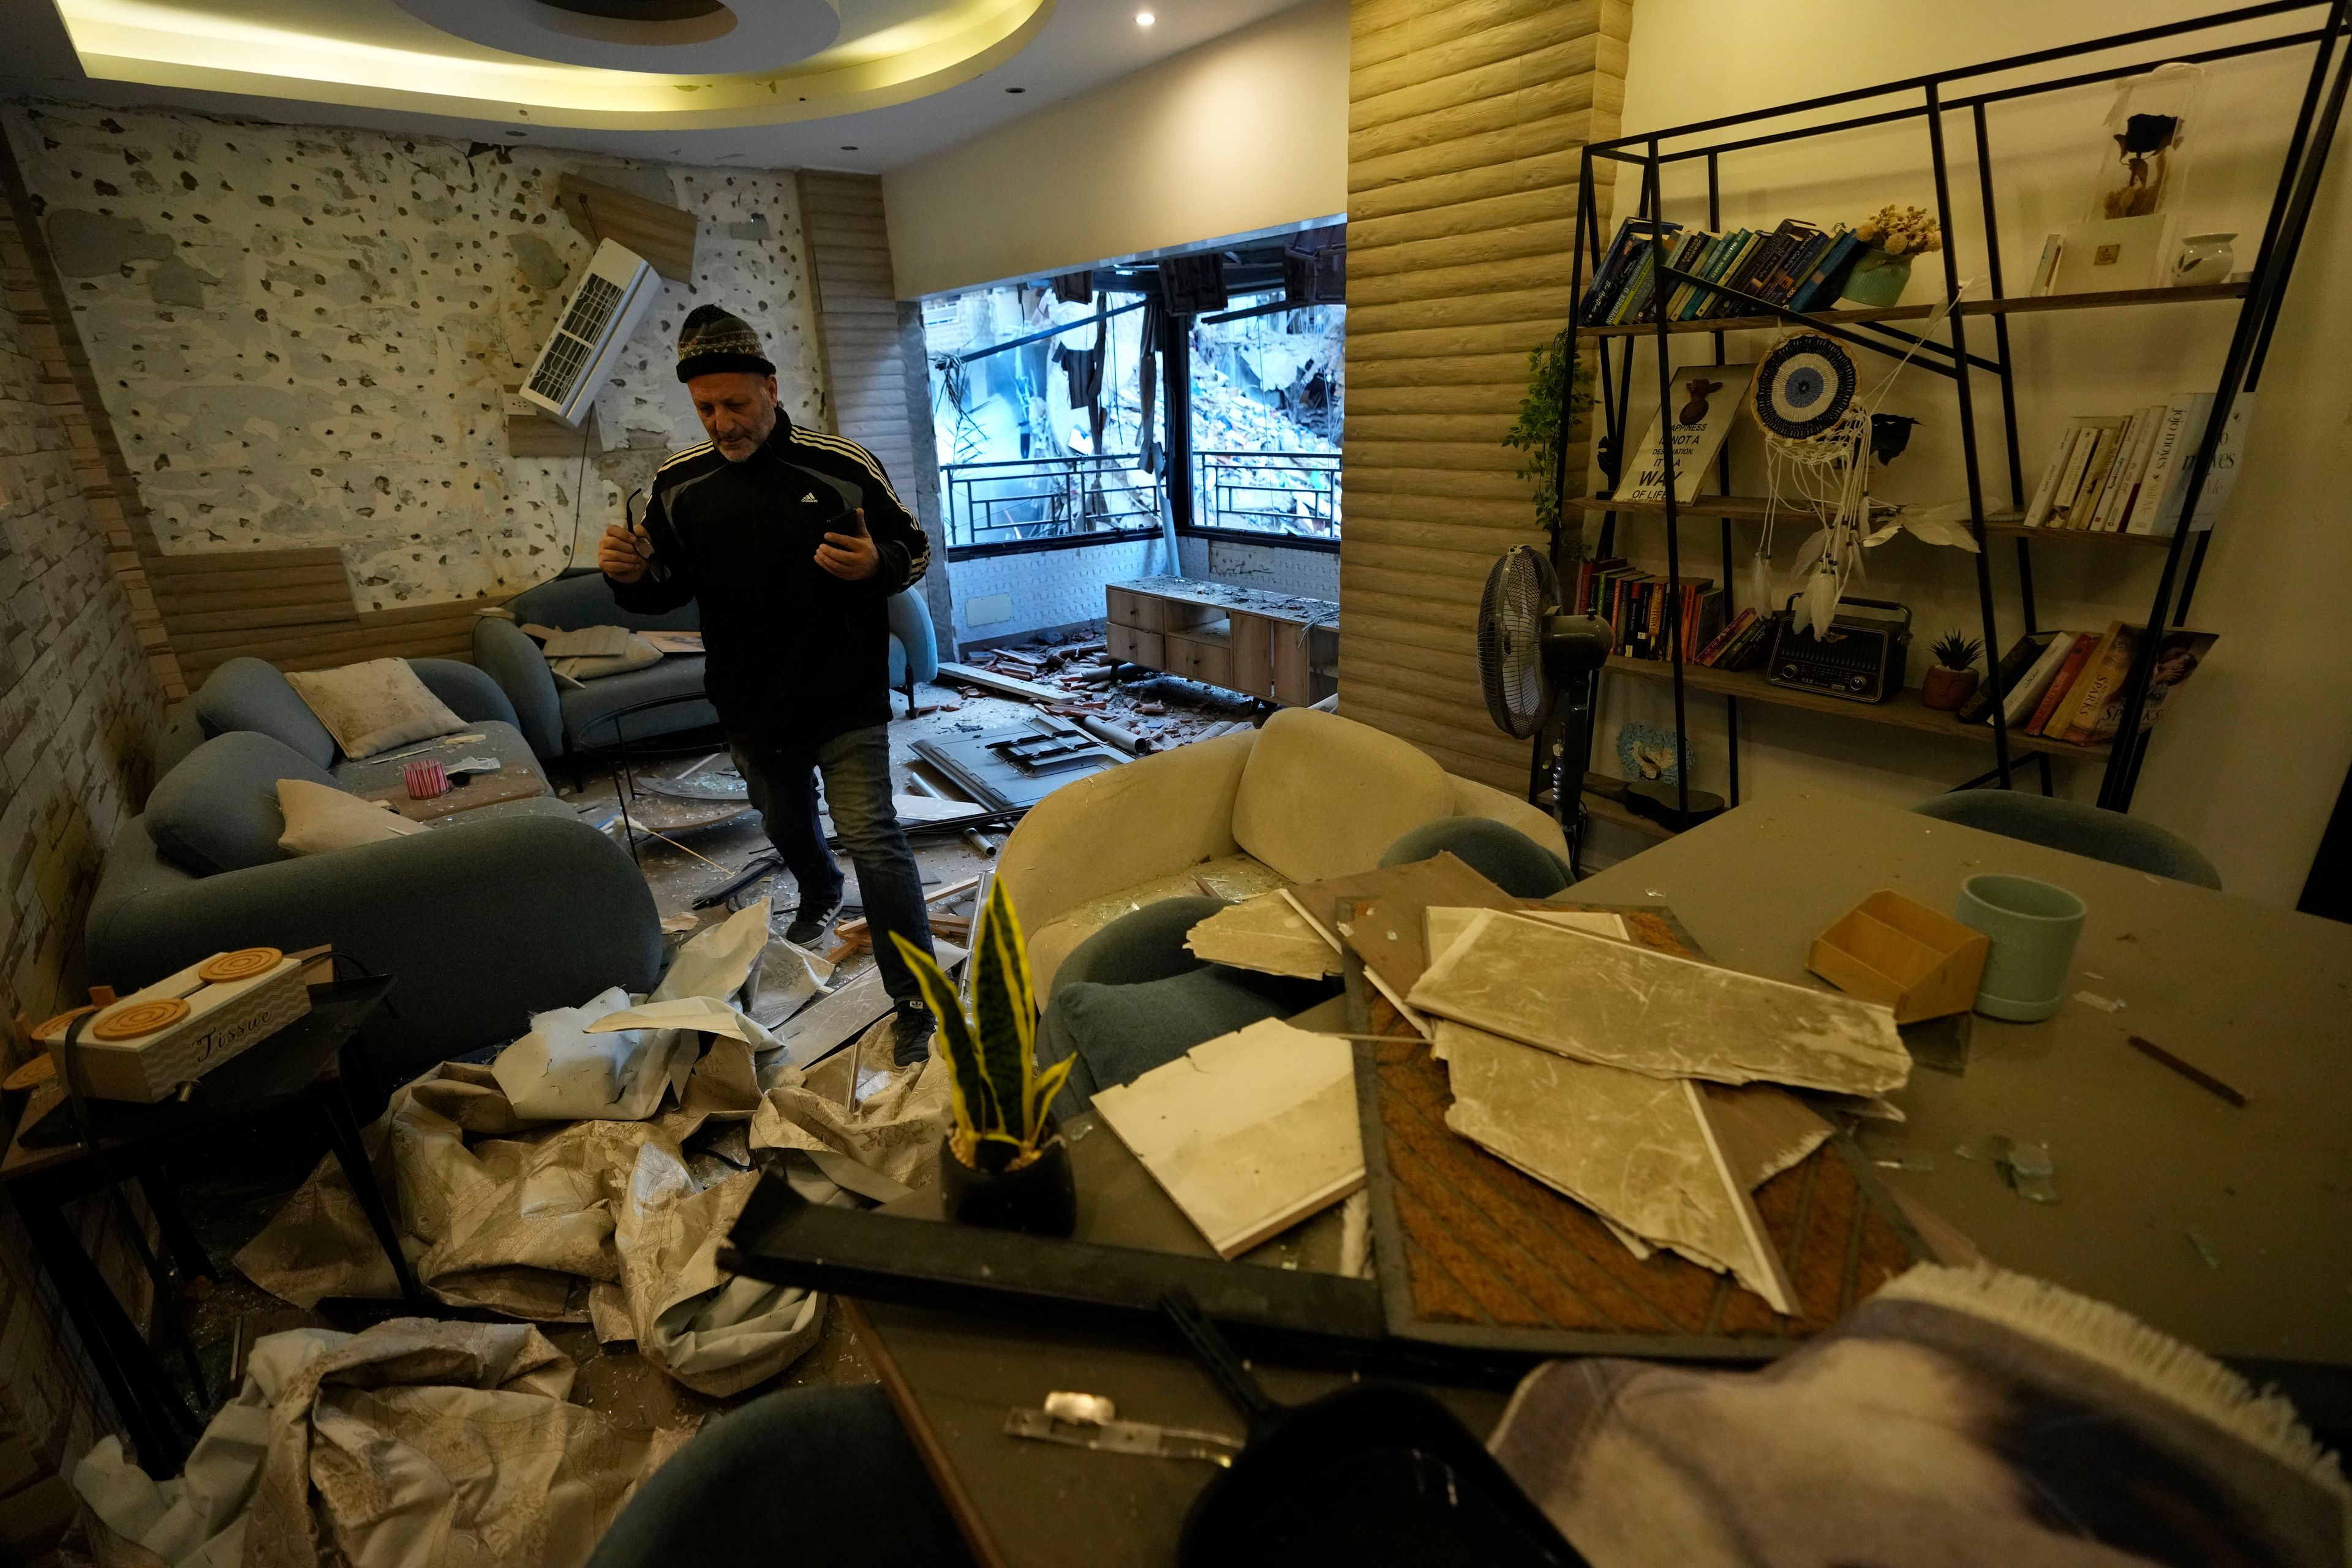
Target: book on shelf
<point>2045,271</point>
<point>1728,275</point>
<point>2084,704</point>
<point>2129,473</point>
<point>1749,646</point>
<point>2013,665</point>
<point>1827,280</point>
<point>2223,477</point>
<point>2062,458</point>
<point>1712,265</point>
<point>2131,469</point>
<point>2019,703</point>
<point>2179,652</point>
<point>1693,260</point>
<point>1706,399</point>
<point>2078,650</point>
<point>2096,510</point>
<point>1609,277</point>
<point>2100,670</point>
<point>1715,646</point>
<point>1779,281</point>
<point>2095,456</point>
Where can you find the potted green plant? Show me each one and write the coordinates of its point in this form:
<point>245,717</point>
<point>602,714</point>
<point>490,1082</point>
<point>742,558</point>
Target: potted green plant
<point>1002,1164</point>
<point>1954,677</point>
<point>1558,391</point>
<point>1894,236</point>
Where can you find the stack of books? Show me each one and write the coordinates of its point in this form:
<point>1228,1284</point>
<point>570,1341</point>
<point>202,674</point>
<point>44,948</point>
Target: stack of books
<point>2069,686</point>
<point>1740,645</point>
<point>1640,607</point>
<point>2128,473</point>
<point>1798,265</point>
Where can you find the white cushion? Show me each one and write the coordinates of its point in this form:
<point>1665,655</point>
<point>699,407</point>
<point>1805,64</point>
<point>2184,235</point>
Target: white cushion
<point>319,819</point>
<point>1325,796</point>
<point>375,706</point>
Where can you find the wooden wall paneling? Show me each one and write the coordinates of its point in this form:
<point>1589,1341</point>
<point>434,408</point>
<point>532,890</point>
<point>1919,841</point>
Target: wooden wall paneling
<point>1467,123</point>
<point>662,234</point>
<point>870,348</point>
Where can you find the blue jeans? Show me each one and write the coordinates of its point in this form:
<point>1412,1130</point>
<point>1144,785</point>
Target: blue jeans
<point>856,769</point>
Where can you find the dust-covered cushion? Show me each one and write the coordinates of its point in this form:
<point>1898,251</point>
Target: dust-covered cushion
<point>374,706</point>
<point>217,811</point>
<point>321,817</point>
<point>1325,796</point>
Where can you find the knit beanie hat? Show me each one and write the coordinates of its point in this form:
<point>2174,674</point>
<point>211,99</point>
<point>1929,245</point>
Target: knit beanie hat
<point>714,340</point>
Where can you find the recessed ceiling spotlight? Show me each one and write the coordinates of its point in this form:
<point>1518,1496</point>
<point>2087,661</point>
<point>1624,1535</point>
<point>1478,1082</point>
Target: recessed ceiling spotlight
<point>1145,18</point>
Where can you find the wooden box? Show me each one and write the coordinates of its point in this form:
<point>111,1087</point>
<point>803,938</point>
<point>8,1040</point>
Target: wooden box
<point>1897,951</point>
<point>195,1021</point>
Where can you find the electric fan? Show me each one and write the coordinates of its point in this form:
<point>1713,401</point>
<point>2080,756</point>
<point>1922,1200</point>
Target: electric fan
<point>1536,663</point>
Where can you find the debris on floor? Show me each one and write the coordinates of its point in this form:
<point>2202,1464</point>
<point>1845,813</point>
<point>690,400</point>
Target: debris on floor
<point>1160,710</point>
<point>377,1442</point>
<point>547,1192</point>
<point>2026,1167</point>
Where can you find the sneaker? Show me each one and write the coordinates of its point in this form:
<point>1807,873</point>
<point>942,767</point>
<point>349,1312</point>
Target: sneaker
<point>912,1040</point>
<point>810,921</point>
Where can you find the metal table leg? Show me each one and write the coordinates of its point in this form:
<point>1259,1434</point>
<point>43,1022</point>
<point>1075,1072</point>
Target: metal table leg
<point>160,1423</point>
<point>351,1154</point>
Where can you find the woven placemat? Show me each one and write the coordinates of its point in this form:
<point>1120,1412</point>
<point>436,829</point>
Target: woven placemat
<point>1472,1251</point>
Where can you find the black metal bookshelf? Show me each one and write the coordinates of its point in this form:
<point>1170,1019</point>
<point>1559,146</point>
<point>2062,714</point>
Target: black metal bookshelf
<point>1934,100</point>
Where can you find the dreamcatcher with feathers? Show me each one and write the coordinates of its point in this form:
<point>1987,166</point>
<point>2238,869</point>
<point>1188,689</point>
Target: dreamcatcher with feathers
<point>1819,436</point>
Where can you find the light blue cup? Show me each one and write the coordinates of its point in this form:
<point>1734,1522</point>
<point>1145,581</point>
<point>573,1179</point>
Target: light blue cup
<point>2033,927</point>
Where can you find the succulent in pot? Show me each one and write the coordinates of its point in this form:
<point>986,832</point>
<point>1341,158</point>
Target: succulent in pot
<point>1003,1164</point>
<point>1953,679</point>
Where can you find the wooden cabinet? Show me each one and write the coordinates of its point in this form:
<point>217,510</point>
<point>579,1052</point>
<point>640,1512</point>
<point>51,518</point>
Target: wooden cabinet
<point>1204,654</point>
<point>1135,647</point>
<point>1269,646</point>
<point>1252,642</point>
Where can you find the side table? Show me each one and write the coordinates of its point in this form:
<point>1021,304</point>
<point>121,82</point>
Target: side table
<point>46,1167</point>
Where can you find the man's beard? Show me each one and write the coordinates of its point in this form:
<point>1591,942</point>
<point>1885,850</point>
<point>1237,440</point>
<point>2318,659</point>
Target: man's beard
<point>748,441</point>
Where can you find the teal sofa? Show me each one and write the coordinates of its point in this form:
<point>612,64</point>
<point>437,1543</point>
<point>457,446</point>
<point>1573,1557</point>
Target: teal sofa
<point>491,915</point>
<point>563,721</point>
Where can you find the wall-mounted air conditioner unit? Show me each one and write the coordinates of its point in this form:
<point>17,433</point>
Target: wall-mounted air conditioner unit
<point>612,298</point>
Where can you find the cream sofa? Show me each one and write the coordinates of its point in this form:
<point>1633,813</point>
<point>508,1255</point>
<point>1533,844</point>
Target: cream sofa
<point>1310,795</point>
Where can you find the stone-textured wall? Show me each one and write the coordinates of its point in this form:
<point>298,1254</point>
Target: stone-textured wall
<point>79,712</point>
<point>303,334</point>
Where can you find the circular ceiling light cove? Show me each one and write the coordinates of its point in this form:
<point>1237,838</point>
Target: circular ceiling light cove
<point>666,36</point>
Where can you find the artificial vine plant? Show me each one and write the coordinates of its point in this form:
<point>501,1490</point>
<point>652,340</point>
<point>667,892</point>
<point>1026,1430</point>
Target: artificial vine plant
<point>1558,391</point>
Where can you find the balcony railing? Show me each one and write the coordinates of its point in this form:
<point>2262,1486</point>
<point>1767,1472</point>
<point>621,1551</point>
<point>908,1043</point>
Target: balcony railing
<point>1029,502</point>
<point>1295,494</point>
<point>1042,503</point>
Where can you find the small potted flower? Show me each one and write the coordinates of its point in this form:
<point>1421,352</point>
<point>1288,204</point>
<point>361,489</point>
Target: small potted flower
<point>1002,1164</point>
<point>1894,236</point>
<point>1953,680</point>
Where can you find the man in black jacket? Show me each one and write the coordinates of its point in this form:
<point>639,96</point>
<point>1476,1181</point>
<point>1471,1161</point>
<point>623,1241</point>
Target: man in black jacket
<point>792,541</point>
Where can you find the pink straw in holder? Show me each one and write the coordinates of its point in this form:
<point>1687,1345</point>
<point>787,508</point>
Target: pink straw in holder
<point>425,779</point>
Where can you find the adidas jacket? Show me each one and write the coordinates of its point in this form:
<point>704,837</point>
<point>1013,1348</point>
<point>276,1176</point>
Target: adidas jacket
<point>794,654</point>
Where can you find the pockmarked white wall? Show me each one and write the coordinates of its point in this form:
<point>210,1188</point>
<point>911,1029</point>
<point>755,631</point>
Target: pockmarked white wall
<point>303,334</point>
<point>1246,133</point>
<point>2250,753</point>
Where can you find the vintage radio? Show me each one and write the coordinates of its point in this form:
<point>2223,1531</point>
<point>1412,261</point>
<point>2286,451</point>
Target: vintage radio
<point>1860,659</point>
<point>147,1045</point>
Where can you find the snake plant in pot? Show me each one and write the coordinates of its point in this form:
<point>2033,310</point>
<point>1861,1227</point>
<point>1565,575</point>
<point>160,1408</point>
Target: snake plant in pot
<point>1003,1164</point>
